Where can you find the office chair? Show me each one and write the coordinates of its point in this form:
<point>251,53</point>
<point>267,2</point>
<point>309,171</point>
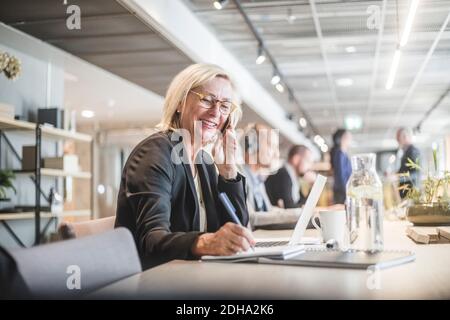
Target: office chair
<point>73,268</point>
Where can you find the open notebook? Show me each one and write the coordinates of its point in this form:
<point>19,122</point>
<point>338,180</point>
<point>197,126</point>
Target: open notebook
<point>319,256</point>
<point>353,259</point>
<point>276,253</point>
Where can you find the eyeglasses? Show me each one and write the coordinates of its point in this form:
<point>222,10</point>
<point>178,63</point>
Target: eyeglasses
<point>208,102</point>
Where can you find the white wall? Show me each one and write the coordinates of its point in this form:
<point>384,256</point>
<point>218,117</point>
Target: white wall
<point>40,85</point>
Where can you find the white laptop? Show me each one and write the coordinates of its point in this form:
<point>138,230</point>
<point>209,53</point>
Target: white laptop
<point>282,248</point>
<point>297,237</point>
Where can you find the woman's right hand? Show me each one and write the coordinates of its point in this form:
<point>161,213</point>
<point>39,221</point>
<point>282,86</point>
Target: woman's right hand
<point>228,240</point>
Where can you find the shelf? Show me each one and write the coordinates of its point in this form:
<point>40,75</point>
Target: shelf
<point>47,131</point>
<point>30,215</point>
<point>51,132</point>
<point>11,124</point>
<point>58,173</point>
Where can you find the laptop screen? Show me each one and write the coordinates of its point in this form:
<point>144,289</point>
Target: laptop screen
<point>308,209</point>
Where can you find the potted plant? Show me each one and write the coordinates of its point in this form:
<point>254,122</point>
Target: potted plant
<point>429,204</point>
<point>6,178</point>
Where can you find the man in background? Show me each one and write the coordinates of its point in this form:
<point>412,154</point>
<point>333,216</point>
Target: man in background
<point>261,155</point>
<point>261,158</point>
<point>283,187</point>
<point>407,150</point>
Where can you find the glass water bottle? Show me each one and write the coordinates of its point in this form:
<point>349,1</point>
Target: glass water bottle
<point>364,205</point>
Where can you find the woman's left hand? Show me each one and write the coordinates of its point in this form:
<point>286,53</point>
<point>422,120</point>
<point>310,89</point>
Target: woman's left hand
<point>224,153</point>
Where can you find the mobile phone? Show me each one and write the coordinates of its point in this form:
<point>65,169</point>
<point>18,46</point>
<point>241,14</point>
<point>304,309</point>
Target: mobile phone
<point>226,125</point>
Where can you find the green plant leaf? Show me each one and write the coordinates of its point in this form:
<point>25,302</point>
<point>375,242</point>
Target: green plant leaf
<point>6,177</point>
<point>435,159</point>
<point>403,174</point>
<point>413,165</point>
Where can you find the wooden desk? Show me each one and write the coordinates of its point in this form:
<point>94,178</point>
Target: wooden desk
<point>426,278</point>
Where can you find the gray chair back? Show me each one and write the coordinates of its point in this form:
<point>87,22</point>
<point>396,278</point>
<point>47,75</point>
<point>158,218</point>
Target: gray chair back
<point>72,268</point>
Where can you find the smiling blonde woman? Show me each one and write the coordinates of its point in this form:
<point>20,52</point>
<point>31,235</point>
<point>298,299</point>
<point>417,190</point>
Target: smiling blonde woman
<point>172,207</point>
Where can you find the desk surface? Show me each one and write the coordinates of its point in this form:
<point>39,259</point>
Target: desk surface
<point>426,278</point>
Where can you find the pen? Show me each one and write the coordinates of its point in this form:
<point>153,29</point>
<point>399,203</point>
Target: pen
<point>230,209</point>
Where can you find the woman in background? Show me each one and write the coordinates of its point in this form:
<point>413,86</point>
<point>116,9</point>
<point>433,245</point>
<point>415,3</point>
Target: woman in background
<point>340,163</point>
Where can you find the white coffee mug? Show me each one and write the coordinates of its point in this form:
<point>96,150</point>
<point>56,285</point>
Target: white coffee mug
<point>332,225</point>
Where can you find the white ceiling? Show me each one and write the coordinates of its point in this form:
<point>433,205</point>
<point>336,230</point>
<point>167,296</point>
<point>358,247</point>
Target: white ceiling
<point>117,103</point>
<point>115,40</point>
<point>300,53</point>
<point>123,60</point>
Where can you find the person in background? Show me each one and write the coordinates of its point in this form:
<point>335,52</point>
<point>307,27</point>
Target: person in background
<point>407,150</point>
<point>283,187</point>
<point>261,152</point>
<point>170,186</point>
<point>340,163</point>
<point>261,159</point>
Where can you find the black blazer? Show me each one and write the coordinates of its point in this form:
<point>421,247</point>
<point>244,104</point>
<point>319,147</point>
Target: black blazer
<point>279,186</point>
<point>158,203</point>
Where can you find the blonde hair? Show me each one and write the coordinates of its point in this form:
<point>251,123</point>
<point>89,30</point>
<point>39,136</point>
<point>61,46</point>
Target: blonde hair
<point>192,77</point>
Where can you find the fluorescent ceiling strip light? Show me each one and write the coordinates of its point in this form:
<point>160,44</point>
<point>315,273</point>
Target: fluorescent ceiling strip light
<point>394,67</point>
<point>409,22</point>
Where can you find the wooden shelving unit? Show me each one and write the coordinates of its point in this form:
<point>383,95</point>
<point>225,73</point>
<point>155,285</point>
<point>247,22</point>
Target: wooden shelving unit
<point>55,133</point>
<point>50,133</point>
<point>30,215</point>
<point>47,131</point>
<point>58,173</point>
<point>11,124</point>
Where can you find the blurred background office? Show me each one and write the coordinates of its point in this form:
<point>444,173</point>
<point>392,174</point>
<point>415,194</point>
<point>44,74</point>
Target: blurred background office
<point>308,68</point>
